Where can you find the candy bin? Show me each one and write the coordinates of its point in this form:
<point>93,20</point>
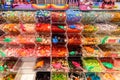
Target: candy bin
<point>59,39</point>
<point>74,28</point>
<point>76,76</point>
<point>108,51</point>
<point>116,31</point>
<point>10,76</point>
<point>116,65</point>
<point>11,16</point>
<point>10,50</point>
<point>89,17</point>
<point>75,64</point>
<point>43,39</point>
<point>43,51</point>
<point>59,28</point>
<point>59,51</point>
<point>73,16</point>
<point>106,28</point>
<point>9,63</point>
<point>92,76</point>
<point>92,65</point>
<point>42,76</point>
<point>89,29</point>
<point>43,27</point>
<point>26,51</point>
<point>90,40</point>
<point>42,64</point>
<point>74,39</point>
<point>59,65</point>
<point>103,17</point>
<point>27,28</point>
<point>26,39</point>
<point>107,76</point>
<point>43,16</point>
<point>116,17</point>
<point>27,17</point>
<point>10,40</point>
<point>58,17</point>
<point>108,63</point>
<point>59,76</point>
<point>74,50</point>
<point>11,28</point>
<point>91,51</point>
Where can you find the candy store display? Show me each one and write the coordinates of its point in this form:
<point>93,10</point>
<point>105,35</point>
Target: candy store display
<point>59,44</point>
<point>42,64</point>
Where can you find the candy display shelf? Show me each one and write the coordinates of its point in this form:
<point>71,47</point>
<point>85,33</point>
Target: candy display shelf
<point>59,44</point>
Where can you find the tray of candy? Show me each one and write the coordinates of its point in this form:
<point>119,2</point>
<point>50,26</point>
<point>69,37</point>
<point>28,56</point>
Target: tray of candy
<point>75,64</point>
<point>8,76</point>
<point>42,64</point>
<point>42,51</point>
<point>108,50</point>
<point>91,51</point>
<point>108,39</point>
<point>59,76</point>
<point>75,28</point>
<point>76,76</point>
<point>92,76</point>
<point>59,65</point>
<point>59,39</point>
<point>74,39</point>
<point>8,64</point>
<point>108,63</point>
<point>59,51</point>
<point>43,27</point>
<point>90,40</point>
<point>59,28</point>
<point>43,39</point>
<point>92,65</point>
<point>90,29</point>
<point>74,50</point>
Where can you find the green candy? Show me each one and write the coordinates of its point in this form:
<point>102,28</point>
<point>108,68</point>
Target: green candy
<point>107,64</point>
<point>72,53</point>
<point>7,40</point>
<point>104,39</point>
<point>61,14</point>
<point>1,68</point>
<point>61,27</point>
<point>39,39</point>
<point>89,68</point>
<point>2,54</point>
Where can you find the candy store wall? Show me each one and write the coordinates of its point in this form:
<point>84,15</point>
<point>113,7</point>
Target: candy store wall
<point>59,45</point>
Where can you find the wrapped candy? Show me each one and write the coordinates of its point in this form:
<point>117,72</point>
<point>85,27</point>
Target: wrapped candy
<point>27,17</point>
<point>58,17</point>
<point>43,16</point>
<point>103,17</point>
<point>73,16</point>
<point>11,16</point>
<point>89,17</point>
<point>106,28</point>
